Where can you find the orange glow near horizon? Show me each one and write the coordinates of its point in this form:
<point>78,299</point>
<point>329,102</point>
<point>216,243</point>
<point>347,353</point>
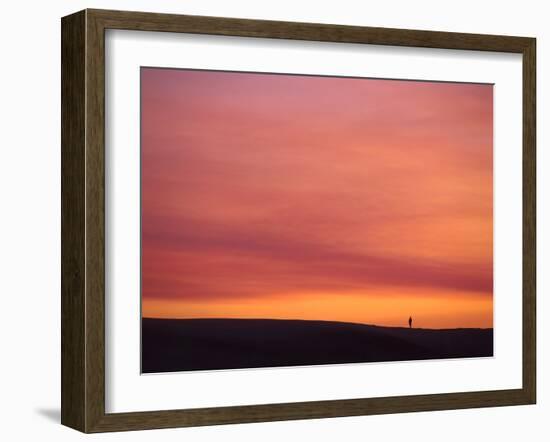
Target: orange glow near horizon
<point>458,310</point>
<point>306,197</point>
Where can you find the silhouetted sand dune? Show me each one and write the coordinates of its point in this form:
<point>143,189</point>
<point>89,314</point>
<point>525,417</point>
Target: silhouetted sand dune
<point>208,344</point>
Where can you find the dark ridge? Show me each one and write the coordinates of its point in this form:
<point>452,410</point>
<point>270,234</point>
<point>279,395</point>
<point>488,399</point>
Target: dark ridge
<point>170,345</point>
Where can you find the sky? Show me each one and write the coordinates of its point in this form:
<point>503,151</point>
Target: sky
<point>309,197</point>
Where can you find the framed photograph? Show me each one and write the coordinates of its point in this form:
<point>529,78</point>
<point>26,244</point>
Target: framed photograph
<point>268,220</point>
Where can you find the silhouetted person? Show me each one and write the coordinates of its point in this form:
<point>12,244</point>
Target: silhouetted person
<point>410,321</point>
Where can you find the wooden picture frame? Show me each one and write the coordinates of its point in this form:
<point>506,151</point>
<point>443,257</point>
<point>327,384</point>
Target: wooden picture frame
<point>83,220</point>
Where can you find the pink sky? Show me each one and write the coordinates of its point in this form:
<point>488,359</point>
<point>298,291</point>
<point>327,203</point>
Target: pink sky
<point>316,198</point>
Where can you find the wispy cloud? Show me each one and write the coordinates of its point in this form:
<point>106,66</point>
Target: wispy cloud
<point>255,185</point>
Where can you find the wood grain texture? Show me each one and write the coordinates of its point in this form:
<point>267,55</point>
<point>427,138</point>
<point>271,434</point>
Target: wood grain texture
<point>83,220</point>
<point>73,127</point>
<point>95,222</point>
<point>145,21</point>
<point>529,221</point>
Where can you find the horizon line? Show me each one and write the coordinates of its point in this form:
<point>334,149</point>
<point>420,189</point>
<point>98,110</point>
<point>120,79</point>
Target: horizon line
<point>314,320</point>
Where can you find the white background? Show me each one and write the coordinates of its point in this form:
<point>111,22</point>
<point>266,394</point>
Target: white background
<point>30,221</point>
<point>128,391</point>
